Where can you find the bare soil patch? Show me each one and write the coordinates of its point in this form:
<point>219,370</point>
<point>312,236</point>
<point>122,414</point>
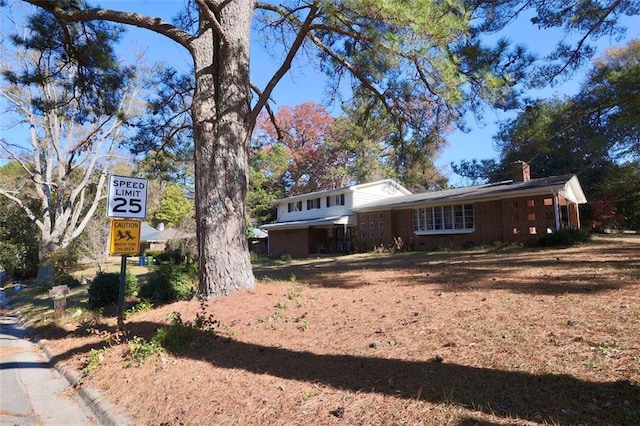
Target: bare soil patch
<point>513,336</point>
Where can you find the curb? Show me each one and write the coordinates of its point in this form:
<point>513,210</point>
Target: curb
<point>103,411</point>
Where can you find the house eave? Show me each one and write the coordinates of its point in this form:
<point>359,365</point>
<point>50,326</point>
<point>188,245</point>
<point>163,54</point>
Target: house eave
<point>570,189</point>
<point>302,224</point>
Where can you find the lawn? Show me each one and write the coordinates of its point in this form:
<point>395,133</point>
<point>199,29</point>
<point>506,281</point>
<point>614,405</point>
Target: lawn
<point>502,335</point>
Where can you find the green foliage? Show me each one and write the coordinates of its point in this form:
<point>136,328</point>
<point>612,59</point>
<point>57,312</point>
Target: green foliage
<point>143,306</point>
<point>182,334</point>
<point>141,350</point>
<point>94,358</point>
<point>19,237</point>
<point>171,282</point>
<point>621,183</point>
<point>88,70</point>
<point>564,238</point>
<point>174,206</point>
<point>105,287</point>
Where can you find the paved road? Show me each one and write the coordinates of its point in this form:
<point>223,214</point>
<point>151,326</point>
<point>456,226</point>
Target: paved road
<point>31,392</point>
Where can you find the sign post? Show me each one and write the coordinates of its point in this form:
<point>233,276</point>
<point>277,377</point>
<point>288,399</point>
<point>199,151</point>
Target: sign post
<point>127,200</point>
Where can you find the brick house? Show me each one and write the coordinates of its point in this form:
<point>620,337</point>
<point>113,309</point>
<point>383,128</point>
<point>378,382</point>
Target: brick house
<point>323,222</point>
<point>517,210</point>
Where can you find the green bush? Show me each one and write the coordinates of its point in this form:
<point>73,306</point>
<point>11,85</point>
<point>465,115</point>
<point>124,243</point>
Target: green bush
<point>564,237</point>
<point>105,287</point>
<point>170,283</point>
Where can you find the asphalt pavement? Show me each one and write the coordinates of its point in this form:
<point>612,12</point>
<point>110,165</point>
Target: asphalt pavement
<point>32,391</point>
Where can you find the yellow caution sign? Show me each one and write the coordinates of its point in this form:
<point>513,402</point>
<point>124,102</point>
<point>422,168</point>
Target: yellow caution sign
<point>125,237</point>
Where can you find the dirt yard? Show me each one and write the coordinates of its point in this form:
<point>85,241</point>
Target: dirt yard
<point>514,336</point>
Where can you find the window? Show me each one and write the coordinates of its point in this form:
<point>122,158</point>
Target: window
<point>340,200</point>
<point>532,230</point>
<point>362,217</point>
<point>313,204</point>
<point>371,224</point>
<point>362,225</point>
<point>294,207</point>
<point>380,225</point>
<point>443,219</point>
<point>531,203</point>
<point>531,217</point>
<point>380,215</point>
<point>328,201</point>
<point>548,201</point>
<point>381,235</point>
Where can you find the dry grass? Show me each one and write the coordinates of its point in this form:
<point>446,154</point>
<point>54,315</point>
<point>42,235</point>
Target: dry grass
<point>511,336</point>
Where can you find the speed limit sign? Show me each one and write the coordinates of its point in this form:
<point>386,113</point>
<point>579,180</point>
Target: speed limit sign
<point>127,197</point>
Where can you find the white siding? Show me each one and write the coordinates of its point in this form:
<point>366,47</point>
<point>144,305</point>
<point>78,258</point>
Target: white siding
<point>353,197</point>
<point>373,193</point>
<point>334,210</point>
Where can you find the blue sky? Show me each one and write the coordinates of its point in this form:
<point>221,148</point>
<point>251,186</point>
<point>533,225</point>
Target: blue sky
<point>304,83</point>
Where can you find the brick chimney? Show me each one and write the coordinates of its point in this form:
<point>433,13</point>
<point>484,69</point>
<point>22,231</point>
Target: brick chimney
<point>521,171</point>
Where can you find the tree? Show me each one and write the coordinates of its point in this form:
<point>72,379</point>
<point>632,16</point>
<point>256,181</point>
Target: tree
<point>76,107</point>
<point>268,165</point>
<point>421,60</point>
<point>174,206</point>
<point>375,147</point>
<point>610,100</point>
<point>18,235</point>
<point>304,131</point>
<point>594,134</point>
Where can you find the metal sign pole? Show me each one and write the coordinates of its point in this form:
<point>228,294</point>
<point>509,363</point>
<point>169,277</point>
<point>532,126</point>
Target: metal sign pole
<point>123,276</point>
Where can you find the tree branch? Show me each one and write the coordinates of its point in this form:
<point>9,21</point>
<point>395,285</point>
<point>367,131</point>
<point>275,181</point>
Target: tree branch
<point>286,65</point>
<point>207,8</point>
<point>156,25</point>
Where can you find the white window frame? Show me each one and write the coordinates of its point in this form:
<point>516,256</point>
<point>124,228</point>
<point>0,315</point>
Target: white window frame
<point>438,220</point>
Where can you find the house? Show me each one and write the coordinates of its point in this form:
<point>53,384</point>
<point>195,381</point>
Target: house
<point>323,222</point>
<point>517,210</point>
<point>156,239</point>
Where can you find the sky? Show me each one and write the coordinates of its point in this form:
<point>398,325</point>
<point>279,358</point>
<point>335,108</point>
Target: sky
<point>304,83</point>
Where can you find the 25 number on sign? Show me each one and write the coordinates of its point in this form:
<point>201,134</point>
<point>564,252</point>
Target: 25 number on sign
<point>127,206</point>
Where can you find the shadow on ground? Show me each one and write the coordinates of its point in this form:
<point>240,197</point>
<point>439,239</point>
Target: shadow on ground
<point>557,399</point>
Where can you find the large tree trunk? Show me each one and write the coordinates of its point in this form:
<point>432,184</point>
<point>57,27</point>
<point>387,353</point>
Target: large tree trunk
<point>220,109</point>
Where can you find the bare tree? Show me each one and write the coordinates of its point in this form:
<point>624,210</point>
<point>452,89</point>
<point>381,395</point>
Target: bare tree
<point>71,144</point>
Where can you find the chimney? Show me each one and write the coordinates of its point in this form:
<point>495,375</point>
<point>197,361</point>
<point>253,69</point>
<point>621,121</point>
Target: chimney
<point>521,171</point>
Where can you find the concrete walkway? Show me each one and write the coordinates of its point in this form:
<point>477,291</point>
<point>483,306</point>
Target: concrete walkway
<point>32,392</point>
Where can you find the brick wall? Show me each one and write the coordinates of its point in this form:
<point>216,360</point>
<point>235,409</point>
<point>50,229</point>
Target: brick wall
<point>374,229</point>
<point>294,242</point>
<point>519,219</point>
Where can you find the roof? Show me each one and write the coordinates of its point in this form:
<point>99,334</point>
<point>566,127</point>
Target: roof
<point>299,224</point>
<point>258,233</point>
<point>567,185</point>
<point>355,187</point>
<point>149,233</point>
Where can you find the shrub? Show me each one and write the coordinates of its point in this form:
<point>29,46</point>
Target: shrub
<point>170,283</point>
<point>564,237</point>
<point>105,287</point>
